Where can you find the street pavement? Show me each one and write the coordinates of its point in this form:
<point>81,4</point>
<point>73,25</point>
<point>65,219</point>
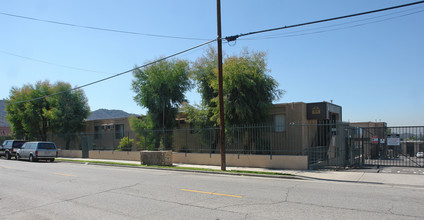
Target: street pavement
<point>372,175</point>
<point>82,190</point>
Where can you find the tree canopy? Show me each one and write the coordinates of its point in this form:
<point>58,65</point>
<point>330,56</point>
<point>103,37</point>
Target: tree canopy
<point>63,113</point>
<point>161,88</point>
<point>248,89</point>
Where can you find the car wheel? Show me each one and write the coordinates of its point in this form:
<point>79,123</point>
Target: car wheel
<point>31,158</point>
<point>18,157</point>
<point>52,160</point>
<point>7,156</point>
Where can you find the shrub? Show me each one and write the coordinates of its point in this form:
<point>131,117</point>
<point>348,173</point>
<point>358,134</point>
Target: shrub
<point>125,144</point>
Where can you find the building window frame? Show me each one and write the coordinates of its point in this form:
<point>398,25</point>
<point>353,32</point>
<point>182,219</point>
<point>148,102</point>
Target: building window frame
<point>119,131</point>
<point>98,132</point>
<point>280,123</point>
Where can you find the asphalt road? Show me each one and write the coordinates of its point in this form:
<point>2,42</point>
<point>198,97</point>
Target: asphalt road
<point>77,191</point>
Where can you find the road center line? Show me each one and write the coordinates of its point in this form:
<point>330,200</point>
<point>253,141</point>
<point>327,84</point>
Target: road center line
<point>6,167</point>
<point>61,174</point>
<point>211,193</point>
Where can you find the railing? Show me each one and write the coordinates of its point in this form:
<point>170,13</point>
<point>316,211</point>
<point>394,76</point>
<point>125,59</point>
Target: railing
<point>313,140</point>
<point>393,146</point>
<point>326,144</point>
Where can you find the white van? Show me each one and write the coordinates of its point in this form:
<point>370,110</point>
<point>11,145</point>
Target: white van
<point>37,150</point>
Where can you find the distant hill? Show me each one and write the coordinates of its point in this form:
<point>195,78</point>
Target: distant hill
<point>108,114</point>
<point>3,121</point>
<point>95,115</point>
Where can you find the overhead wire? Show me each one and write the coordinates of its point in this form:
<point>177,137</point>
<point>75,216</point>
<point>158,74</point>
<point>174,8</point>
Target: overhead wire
<point>235,37</point>
<point>229,39</point>
<point>100,29</point>
<point>292,33</point>
<point>50,63</point>
<point>119,74</point>
<point>273,36</point>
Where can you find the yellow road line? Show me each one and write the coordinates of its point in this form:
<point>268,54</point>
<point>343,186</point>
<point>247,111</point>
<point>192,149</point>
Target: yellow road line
<point>61,174</point>
<point>211,193</point>
<point>6,167</point>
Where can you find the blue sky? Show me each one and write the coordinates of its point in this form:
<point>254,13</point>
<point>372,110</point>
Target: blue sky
<point>371,65</point>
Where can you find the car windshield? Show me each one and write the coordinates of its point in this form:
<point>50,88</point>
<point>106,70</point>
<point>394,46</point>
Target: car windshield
<point>18,144</point>
<point>46,146</point>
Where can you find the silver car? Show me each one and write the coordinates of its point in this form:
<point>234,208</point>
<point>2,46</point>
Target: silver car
<point>37,150</point>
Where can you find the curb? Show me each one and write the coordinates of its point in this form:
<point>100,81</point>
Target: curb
<point>191,171</point>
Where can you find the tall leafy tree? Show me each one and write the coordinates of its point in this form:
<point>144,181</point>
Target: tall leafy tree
<point>248,88</point>
<point>68,111</point>
<point>204,71</point>
<point>64,113</point>
<point>161,89</point>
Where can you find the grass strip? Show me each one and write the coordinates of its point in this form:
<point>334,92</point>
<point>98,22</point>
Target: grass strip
<point>178,168</point>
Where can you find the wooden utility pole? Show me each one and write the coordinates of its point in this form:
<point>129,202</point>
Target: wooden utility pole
<point>220,90</point>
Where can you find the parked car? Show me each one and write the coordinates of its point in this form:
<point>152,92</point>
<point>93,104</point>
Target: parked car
<point>420,154</point>
<point>9,148</point>
<point>37,150</point>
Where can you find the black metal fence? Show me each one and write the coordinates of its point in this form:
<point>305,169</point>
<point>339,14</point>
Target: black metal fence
<point>327,144</point>
<point>393,146</point>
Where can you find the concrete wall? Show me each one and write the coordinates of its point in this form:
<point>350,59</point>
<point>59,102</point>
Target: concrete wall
<point>114,155</point>
<point>70,153</point>
<point>242,160</point>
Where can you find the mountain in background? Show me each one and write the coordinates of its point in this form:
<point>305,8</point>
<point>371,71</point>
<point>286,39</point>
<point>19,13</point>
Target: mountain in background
<point>108,114</point>
<point>3,121</point>
<point>95,115</point>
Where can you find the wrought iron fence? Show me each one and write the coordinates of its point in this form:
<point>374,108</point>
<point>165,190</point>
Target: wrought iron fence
<point>326,143</point>
<point>393,146</point>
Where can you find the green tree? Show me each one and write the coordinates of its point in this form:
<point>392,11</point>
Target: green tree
<point>64,113</point>
<point>248,89</point>
<point>68,111</point>
<point>142,126</point>
<point>204,71</point>
<point>160,88</point>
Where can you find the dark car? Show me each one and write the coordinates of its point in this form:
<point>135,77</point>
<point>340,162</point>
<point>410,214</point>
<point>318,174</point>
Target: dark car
<point>9,148</point>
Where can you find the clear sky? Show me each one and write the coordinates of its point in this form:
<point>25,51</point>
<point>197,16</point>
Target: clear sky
<point>371,65</point>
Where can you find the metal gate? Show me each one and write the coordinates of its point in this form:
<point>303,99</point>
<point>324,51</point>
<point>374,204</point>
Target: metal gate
<point>334,145</point>
<point>393,146</point>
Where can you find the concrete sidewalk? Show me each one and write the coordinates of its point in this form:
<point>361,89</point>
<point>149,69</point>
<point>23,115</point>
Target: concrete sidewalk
<point>369,176</point>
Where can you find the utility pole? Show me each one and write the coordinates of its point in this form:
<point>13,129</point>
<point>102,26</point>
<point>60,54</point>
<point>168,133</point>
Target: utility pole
<point>220,90</point>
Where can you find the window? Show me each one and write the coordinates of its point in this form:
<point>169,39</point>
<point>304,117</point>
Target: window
<point>46,146</point>
<point>18,144</point>
<point>280,123</point>
<point>98,132</point>
<point>119,131</point>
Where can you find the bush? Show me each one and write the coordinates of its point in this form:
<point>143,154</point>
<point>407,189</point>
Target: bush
<point>125,144</point>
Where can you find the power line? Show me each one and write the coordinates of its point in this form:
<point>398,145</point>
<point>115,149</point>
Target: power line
<point>119,74</point>
<point>235,37</point>
<point>99,28</point>
<point>50,63</point>
<point>293,34</point>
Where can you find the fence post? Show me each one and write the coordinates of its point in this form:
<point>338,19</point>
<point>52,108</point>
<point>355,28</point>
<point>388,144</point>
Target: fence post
<point>210,143</point>
<point>270,140</point>
<point>186,142</point>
